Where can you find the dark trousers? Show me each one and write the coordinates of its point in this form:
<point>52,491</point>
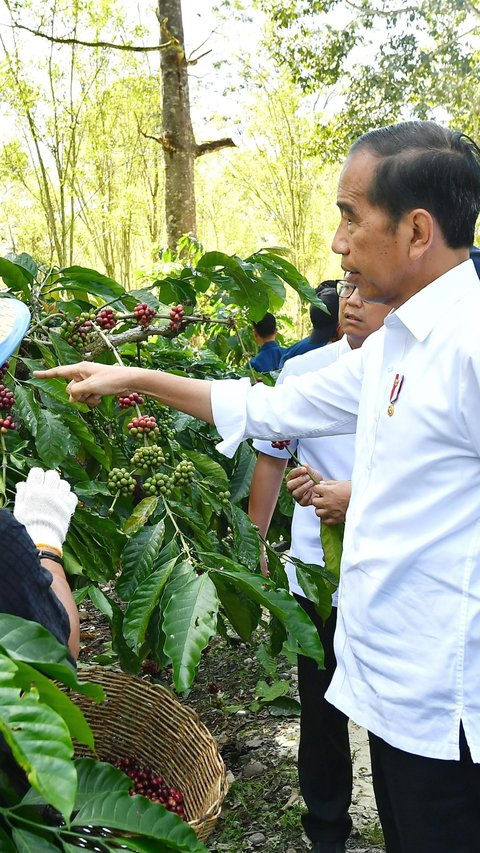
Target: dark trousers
<point>324,759</point>
<point>426,805</point>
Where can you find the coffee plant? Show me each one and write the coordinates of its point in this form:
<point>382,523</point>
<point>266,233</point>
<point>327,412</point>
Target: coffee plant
<point>73,803</point>
<point>160,541</point>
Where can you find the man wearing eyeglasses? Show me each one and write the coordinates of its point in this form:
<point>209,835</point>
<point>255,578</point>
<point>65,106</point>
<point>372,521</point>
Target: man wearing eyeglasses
<point>324,759</point>
<point>407,640</point>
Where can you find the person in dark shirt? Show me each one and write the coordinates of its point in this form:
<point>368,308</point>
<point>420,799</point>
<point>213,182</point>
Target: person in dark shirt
<point>324,326</point>
<point>270,353</point>
<point>33,584</point>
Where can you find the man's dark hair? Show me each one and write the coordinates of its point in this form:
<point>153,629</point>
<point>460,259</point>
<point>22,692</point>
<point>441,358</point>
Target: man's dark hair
<point>325,325</point>
<point>422,164</point>
<point>266,326</point>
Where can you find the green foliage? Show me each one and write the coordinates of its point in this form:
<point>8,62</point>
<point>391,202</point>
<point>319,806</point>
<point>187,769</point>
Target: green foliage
<point>161,518</point>
<point>332,544</point>
<point>39,721</point>
<point>388,61</point>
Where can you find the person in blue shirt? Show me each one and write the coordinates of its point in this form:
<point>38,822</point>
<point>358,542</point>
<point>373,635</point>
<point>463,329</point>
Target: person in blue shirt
<point>270,353</point>
<point>324,326</point>
<point>475,257</point>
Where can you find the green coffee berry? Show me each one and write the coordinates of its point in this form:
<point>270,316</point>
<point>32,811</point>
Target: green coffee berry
<point>121,481</point>
<point>148,457</point>
<point>184,473</point>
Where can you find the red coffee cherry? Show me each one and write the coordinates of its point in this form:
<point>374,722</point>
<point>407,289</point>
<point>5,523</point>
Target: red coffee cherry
<point>133,399</point>
<point>145,425</point>
<point>281,445</point>
<point>7,423</point>
<point>150,784</point>
<point>7,398</point>
<point>107,318</point>
<point>144,314</point>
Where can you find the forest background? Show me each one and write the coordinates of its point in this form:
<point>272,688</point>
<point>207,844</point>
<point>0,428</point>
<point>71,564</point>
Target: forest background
<point>284,85</point>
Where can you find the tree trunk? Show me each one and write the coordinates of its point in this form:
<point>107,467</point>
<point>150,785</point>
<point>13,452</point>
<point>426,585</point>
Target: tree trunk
<point>177,139</point>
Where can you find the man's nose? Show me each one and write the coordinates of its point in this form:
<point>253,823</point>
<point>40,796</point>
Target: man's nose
<point>340,242</point>
<point>354,299</point>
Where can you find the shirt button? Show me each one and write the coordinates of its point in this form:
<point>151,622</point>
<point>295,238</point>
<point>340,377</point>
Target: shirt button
<point>389,369</point>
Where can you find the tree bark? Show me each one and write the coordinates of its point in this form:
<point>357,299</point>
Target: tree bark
<point>177,138</point>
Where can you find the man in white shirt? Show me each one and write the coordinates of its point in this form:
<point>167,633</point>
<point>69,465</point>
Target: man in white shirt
<point>408,634</point>
<point>324,759</point>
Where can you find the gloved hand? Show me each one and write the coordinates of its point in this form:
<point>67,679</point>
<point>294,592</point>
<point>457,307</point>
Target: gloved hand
<point>45,503</point>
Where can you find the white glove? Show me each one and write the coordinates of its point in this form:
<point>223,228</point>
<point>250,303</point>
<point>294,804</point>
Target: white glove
<point>45,503</point>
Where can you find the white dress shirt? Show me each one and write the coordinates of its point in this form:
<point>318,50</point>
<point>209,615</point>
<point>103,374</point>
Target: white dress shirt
<point>332,455</point>
<point>408,634</point>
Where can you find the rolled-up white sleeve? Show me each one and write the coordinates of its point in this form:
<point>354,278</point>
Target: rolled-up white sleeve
<point>229,409</point>
<point>323,402</point>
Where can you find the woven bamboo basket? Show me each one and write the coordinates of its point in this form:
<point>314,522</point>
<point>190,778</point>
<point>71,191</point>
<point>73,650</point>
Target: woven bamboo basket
<point>145,721</point>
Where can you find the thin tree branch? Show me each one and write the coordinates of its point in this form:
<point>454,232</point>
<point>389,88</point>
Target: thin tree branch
<point>76,41</point>
<point>197,58</point>
<point>142,333</point>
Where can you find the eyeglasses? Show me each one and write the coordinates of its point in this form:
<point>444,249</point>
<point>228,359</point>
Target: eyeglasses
<point>345,290</point>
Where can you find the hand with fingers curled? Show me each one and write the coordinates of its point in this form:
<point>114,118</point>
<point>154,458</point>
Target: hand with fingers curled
<point>300,482</point>
<point>330,499</point>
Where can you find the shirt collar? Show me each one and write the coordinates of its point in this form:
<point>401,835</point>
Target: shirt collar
<point>269,345</point>
<point>421,312</point>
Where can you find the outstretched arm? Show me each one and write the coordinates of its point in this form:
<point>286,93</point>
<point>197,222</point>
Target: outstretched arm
<point>89,382</point>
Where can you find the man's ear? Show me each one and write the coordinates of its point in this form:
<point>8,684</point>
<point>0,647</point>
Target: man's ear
<point>422,225</point>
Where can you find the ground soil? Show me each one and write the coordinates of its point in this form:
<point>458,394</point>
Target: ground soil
<point>263,807</point>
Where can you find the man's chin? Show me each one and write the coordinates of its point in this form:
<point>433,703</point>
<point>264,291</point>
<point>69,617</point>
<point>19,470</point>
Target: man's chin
<point>370,295</point>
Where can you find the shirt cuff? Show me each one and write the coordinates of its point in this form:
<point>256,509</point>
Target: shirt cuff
<point>229,409</point>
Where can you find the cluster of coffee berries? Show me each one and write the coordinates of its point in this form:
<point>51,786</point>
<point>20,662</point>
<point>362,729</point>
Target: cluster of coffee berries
<point>158,484</point>
<point>77,332</point>
<point>145,425</point>
<point>150,784</point>
<point>224,498</point>
<point>120,481</point>
<point>176,315</point>
<point>144,314</point>
<point>107,318</point>
<point>7,398</point>
<point>6,424</point>
<point>133,399</point>
<point>281,445</point>
<point>148,457</point>
<point>164,417</point>
<point>184,473</point>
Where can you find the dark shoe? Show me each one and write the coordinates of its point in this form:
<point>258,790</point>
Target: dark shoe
<point>329,847</point>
